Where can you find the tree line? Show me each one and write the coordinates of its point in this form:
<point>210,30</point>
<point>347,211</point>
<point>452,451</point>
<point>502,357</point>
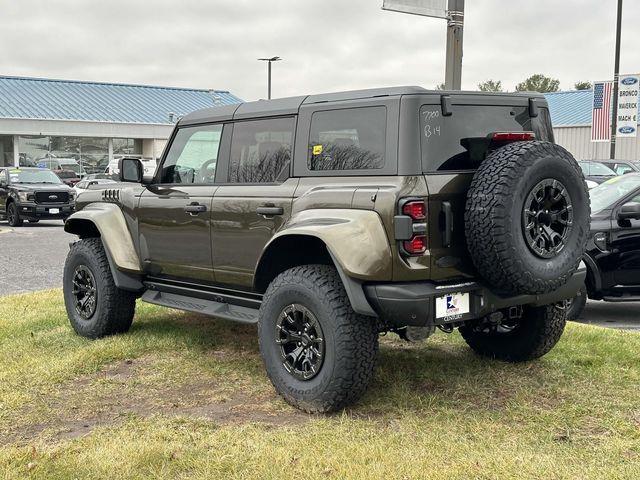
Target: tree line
<point>535,83</point>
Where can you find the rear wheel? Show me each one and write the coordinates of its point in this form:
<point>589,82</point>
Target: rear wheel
<point>517,340</point>
<point>95,306</point>
<point>13,216</point>
<point>319,354</point>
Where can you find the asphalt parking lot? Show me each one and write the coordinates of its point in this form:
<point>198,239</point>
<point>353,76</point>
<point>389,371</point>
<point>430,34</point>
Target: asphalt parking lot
<point>33,256</point>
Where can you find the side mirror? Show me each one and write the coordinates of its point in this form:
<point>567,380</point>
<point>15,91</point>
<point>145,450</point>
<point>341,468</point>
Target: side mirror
<point>130,170</point>
<point>629,211</point>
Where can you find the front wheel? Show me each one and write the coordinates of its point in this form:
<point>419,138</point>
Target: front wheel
<point>13,216</point>
<point>319,354</point>
<point>95,306</point>
<point>531,336</point>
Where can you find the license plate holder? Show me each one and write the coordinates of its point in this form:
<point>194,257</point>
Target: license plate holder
<point>452,306</point>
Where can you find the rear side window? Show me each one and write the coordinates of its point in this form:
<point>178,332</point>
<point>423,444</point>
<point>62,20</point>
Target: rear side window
<point>459,141</point>
<point>348,139</point>
<point>261,150</point>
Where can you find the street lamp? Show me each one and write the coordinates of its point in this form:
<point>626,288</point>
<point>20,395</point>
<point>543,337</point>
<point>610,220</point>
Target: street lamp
<point>269,61</point>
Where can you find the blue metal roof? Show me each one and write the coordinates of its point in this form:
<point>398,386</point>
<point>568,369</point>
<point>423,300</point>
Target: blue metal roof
<point>570,108</point>
<point>39,98</point>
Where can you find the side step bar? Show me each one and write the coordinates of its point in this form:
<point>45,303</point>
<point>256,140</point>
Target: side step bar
<point>226,311</point>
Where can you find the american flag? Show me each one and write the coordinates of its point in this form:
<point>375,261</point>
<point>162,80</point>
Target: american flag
<point>601,113</point>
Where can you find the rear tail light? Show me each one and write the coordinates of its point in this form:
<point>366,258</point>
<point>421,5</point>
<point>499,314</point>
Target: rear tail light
<point>513,136</point>
<point>411,226</point>
<point>416,209</point>
<point>416,246</point>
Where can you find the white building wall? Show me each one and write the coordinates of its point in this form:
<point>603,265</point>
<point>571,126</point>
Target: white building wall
<point>578,141</point>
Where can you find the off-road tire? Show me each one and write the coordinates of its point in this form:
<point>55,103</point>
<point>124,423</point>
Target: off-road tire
<point>577,304</point>
<point>536,334</point>
<point>115,307</point>
<point>494,217</point>
<point>351,340</point>
<point>13,215</point>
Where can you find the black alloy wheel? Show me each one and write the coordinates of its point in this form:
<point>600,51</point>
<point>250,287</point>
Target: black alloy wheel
<point>84,292</point>
<point>547,218</point>
<point>13,216</point>
<point>301,341</point>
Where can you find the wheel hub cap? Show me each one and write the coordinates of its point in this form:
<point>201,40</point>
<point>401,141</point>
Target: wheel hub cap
<point>84,292</point>
<point>547,218</point>
<point>301,341</point>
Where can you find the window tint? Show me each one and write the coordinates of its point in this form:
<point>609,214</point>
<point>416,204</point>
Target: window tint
<point>261,150</point>
<point>348,139</point>
<point>459,141</point>
<point>193,155</point>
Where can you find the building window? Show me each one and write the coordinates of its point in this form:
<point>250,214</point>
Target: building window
<point>348,139</point>
<point>6,151</point>
<point>127,146</point>
<point>261,150</point>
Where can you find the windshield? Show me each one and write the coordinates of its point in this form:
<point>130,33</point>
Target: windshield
<point>611,191</point>
<point>595,168</point>
<point>33,176</point>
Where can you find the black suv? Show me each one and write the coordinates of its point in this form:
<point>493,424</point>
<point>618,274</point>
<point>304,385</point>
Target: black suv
<point>33,194</point>
<point>328,219</point>
<point>613,250</point>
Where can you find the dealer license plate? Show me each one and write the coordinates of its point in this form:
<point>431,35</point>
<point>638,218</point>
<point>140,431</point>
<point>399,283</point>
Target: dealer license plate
<point>54,211</point>
<point>452,305</point>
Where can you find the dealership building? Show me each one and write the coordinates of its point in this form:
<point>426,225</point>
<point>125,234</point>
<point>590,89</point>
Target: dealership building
<point>571,118</point>
<point>89,121</point>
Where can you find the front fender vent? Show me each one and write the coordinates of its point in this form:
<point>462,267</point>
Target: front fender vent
<point>111,195</point>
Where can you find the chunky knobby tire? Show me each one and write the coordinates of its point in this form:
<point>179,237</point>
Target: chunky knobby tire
<point>534,335</point>
<point>577,304</point>
<point>497,201</point>
<point>351,340</point>
<point>114,308</point>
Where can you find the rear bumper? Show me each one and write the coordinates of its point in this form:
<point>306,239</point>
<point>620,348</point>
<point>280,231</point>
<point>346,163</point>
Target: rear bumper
<point>413,303</point>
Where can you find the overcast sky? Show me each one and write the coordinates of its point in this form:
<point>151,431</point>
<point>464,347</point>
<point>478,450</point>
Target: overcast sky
<point>326,45</point>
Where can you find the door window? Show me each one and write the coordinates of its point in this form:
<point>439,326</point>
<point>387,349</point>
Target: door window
<point>348,139</point>
<point>261,150</point>
<point>193,155</point>
<point>622,168</point>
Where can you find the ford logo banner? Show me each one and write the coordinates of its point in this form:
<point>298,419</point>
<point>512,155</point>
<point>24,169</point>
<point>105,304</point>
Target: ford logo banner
<point>629,80</point>
<point>626,130</point>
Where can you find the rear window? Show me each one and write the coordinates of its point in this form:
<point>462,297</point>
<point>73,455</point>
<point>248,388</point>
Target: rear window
<point>459,141</point>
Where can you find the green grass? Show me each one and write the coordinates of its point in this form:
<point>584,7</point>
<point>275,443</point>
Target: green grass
<point>183,396</point>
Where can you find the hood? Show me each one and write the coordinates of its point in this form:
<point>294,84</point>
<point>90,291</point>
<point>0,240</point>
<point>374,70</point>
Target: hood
<point>49,187</point>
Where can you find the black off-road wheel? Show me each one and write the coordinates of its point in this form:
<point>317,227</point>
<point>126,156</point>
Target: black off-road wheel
<point>577,304</point>
<point>517,340</point>
<point>527,218</point>
<point>95,306</point>
<point>13,216</point>
<point>319,354</point>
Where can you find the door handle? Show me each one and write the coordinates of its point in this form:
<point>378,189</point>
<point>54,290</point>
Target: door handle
<point>269,210</point>
<point>195,208</point>
<point>448,224</point>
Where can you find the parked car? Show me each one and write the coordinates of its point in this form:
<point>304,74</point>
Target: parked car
<point>33,194</point>
<point>613,251</point>
<point>69,177</point>
<point>57,164</point>
<point>622,167</point>
<point>595,173</point>
<point>394,210</point>
<point>84,184</point>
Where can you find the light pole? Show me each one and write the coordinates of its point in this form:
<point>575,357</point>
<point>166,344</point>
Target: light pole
<point>616,80</point>
<point>269,61</point>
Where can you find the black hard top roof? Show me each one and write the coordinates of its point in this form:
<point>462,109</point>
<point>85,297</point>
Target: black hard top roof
<point>291,105</point>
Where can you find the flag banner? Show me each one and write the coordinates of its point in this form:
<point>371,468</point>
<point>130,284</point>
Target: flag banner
<point>601,112</point>
<point>426,8</point>
<point>627,125</point>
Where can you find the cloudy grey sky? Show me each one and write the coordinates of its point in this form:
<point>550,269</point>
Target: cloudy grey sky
<point>326,44</point>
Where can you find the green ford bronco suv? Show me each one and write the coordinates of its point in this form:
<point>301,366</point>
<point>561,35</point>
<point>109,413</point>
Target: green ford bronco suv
<point>329,219</point>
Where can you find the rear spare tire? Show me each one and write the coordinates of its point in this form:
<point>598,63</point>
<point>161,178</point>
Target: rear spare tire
<point>527,217</point>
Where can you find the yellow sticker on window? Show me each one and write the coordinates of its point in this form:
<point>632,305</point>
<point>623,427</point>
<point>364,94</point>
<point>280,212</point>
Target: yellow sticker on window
<point>317,149</point>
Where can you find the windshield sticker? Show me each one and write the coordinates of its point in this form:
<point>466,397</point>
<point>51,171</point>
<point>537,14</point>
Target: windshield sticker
<point>317,149</point>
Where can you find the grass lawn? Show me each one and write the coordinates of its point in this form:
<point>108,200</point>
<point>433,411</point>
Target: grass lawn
<point>184,396</point>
